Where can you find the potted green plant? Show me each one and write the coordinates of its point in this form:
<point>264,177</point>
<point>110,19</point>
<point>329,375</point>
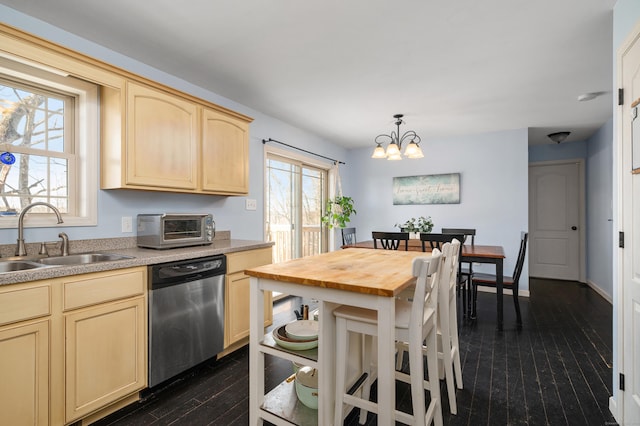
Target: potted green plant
<point>416,226</point>
<point>339,211</point>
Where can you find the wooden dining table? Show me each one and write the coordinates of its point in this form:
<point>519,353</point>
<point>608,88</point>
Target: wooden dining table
<point>493,255</point>
<point>357,277</point>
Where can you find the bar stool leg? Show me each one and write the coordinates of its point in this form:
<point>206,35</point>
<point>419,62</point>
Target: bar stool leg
<point>434,382</point>
<point>447,363</point>
<point>342,343</point>
<point>367,366</point>
<point>416,366</point>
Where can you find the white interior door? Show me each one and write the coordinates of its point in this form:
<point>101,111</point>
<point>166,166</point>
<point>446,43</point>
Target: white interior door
<point>629,68</point>
<point>554,220</point>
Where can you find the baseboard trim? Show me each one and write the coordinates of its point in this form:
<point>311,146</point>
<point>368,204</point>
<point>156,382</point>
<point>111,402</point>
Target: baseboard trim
<point>521,293</point>
<point>613,408</point>
<point>600,291</point>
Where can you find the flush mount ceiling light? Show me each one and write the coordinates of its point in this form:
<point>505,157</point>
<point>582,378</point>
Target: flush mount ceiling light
<point>395,143</point>
<point>589,96</point>
<point>558,136</point>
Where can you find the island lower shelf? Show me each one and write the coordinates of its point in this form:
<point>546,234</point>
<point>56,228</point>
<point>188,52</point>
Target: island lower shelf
<point>281,403</point>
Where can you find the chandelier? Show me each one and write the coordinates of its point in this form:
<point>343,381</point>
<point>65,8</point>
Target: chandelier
<point>395,143</point>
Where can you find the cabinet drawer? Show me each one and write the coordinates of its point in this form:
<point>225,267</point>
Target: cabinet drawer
<point>239,261</point>
<point>18,303</point>
<point>92,289</point>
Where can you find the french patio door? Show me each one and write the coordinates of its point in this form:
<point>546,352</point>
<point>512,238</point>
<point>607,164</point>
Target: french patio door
<point>296,192</point>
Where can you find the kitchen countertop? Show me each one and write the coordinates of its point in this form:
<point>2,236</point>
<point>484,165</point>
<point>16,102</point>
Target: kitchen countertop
<point>141,257</point>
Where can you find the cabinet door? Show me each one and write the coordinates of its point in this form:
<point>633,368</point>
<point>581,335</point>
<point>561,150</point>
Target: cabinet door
<point>225,153</point>
<point>162,140</point>
<point>105,355</point>
<point>238,313</point>
<point>24,369</point>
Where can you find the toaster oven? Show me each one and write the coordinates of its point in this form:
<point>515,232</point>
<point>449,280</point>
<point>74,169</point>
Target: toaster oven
<point>172,230</point>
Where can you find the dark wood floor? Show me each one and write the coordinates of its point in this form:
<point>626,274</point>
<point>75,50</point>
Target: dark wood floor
<point>555,370</point>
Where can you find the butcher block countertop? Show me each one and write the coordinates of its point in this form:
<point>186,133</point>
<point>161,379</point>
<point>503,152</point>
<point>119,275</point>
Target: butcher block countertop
<point>360,270</point>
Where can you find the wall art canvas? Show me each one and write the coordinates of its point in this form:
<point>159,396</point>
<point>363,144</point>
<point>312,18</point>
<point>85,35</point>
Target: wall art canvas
<point>427,189</point>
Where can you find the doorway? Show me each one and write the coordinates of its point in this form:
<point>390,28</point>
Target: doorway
<point>557,220</point>
<point>627,280</point>
<point>296,191</point>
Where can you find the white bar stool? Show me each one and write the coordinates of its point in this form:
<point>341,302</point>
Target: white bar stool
<point>448,346</point>
<point>416,321</point>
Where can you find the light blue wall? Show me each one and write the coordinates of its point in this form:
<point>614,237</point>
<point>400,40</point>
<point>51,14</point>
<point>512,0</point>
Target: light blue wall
<point>600,234</point>
<point>626,14</point>
<point>229,212</point>
<point>563,151</point>
<point>493,185</point>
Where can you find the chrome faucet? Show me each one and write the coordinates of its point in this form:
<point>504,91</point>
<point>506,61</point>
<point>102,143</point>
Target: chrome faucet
<point>20,249</point>
<point>64,247</point>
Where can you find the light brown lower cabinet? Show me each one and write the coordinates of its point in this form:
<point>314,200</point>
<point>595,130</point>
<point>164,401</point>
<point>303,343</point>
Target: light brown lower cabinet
<point>105,339</point>
<point>72,347</point>
<point>237,313</point>
<point>104,355</point>
<point>25,329</point>
<point>24,369</point>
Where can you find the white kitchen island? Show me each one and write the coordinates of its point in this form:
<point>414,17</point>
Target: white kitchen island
<point>357,277</point>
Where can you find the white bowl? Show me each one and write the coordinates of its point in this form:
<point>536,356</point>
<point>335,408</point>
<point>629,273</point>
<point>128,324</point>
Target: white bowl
<point>293,345</point>
<point>307,386</point>
<point>302,330</point>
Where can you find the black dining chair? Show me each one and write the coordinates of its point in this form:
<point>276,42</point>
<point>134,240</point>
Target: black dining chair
<point>348,236</point>
<point>390,240</point>
<point>511,282</point>
<point>467,232</point>
<point>437,240</point>
<point>463,281</point>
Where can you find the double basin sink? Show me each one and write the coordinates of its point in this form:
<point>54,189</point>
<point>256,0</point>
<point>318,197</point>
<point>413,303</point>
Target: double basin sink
<point>22,264</point>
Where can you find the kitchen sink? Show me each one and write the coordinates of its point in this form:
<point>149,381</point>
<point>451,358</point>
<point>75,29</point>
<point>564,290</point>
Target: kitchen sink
<point>82,259</point>
<point>18,265</point>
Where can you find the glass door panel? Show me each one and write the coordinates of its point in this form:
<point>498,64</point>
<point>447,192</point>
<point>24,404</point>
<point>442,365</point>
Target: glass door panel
<point>295,195</point>
<point>313,189</point>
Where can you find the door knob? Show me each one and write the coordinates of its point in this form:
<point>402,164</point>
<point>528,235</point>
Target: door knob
<point>573,228</point>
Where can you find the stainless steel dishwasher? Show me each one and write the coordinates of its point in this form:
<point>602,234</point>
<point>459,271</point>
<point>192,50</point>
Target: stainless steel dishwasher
<point>186,315</point>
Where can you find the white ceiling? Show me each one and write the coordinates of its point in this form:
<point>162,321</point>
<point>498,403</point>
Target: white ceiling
<point>342,69</point>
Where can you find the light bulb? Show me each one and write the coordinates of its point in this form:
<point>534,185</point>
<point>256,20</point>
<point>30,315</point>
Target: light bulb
<point>411,149</point>
<point>392,149</point>
<point>395,157</point>
<point>418,153</point>
<point>379,152</point>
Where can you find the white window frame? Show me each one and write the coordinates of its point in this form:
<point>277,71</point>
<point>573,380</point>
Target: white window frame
<point>83,195</point>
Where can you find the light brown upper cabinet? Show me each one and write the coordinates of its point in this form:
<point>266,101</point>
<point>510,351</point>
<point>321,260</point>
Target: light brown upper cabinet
<point>161,141</point>
<point>225,153</point>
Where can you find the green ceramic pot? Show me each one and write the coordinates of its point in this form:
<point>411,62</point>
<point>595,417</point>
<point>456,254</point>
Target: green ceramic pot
<point>307,386</point>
